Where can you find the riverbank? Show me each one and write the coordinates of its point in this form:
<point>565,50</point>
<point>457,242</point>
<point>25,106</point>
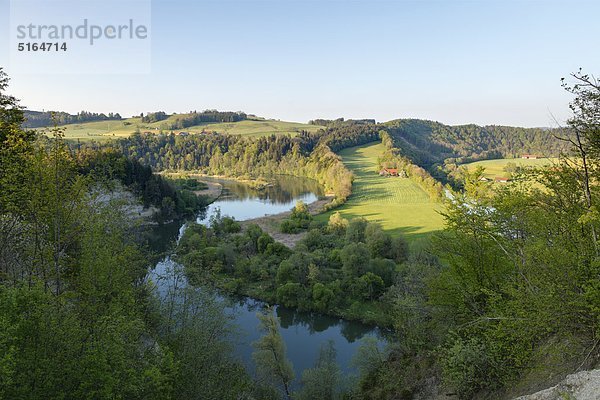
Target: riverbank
<point>243,260</point>
<point>268,223</point>
<point>271,223</point>
<point>255,183</point>
<point>371,313</point>
<point>213,192</point>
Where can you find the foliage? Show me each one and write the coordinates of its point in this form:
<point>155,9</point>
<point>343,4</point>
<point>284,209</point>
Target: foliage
<point>341,272</point>
<point>154,117</point>
<point>428,142</point>
<point>467,367</point>
<point>173,199</point>
<point>323,381</point>
<point>190,184</point>
<point>195,118</point>
<point>270,358</point>
<point>299,219</point>
<point>77,317</point>
<point>36,119</point>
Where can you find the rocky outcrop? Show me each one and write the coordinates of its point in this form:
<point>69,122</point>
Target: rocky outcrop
<point>583,385</point>
<point>125,201</point>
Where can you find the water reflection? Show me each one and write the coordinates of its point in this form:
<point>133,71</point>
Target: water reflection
<point>303,332</point>
<point>243,202</point>
<point>281,190</point>
<point>315,322</point>
<point>163,237</point>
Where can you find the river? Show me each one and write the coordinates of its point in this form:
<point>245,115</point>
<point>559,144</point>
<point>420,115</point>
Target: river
<point>303,332</point>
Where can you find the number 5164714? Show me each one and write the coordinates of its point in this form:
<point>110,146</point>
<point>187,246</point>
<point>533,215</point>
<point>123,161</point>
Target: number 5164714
<point>44,46</point>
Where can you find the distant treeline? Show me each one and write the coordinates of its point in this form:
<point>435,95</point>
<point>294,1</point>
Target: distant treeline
<point>341,134</point>
<point>326,122</point>
<point>154,117</point>
<point>194,118</point>
<point>235,156</point>
<point>393,158</point>
<point>38,119</point>
<point>429,142</point>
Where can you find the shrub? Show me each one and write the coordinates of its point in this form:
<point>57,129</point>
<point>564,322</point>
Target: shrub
<point>290,294</point>
<point>466,366</point>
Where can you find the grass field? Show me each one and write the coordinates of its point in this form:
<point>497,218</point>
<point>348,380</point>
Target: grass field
<point>256,128</point>
<point>494,168</point>
<point>398,204</point>
<point>107,130</point>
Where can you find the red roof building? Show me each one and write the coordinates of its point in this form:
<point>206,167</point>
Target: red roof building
<point>389,171</point>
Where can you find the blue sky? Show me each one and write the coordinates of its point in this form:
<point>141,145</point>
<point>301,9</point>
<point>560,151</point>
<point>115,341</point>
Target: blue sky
<point>485,62</point>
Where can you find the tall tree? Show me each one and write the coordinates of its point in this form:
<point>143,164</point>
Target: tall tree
<point>270,354</point>
<point>585,139</point>
<point>324,379</point>
<point>15,146</point>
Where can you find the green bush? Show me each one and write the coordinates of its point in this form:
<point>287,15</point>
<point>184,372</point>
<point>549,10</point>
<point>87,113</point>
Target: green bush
<point>466,367</point>
<point>290,294</point>
<point>299,220</point>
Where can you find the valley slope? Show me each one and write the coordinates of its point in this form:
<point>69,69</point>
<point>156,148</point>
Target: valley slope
<point>398,204</point>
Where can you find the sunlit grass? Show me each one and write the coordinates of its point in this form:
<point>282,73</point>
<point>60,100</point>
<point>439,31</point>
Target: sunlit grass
<point>398,204</point>
<point>496,168</point>
<point>106,130</point>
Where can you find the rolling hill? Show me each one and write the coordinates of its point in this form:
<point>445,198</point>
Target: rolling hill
<point>112,129</point>
<point>428,142</point>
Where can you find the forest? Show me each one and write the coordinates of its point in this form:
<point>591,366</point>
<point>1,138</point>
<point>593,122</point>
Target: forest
<point>198,118</point>
<point>78,316</point>
<point>508,293</point>
<point>427,142</point>
<point>37,119</point>
<point>342,268</point>
<point>305,155</point>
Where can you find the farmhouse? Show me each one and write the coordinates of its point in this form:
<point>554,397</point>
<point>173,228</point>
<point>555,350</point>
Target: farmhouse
<point>389,172</point>
<point>501,179</point>
<point>529,157</point>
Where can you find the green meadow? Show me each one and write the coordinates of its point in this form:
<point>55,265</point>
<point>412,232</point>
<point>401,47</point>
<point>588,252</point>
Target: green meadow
<point>494,168</point>
<point>398,204</point>
<point>106,130</point>
<point>256,128</point>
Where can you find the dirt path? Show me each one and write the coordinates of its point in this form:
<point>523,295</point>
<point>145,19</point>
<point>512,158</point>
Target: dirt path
<point>213,192</point>
<point>270,223</point>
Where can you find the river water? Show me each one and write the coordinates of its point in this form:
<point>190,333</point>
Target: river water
<point>303,332</point>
